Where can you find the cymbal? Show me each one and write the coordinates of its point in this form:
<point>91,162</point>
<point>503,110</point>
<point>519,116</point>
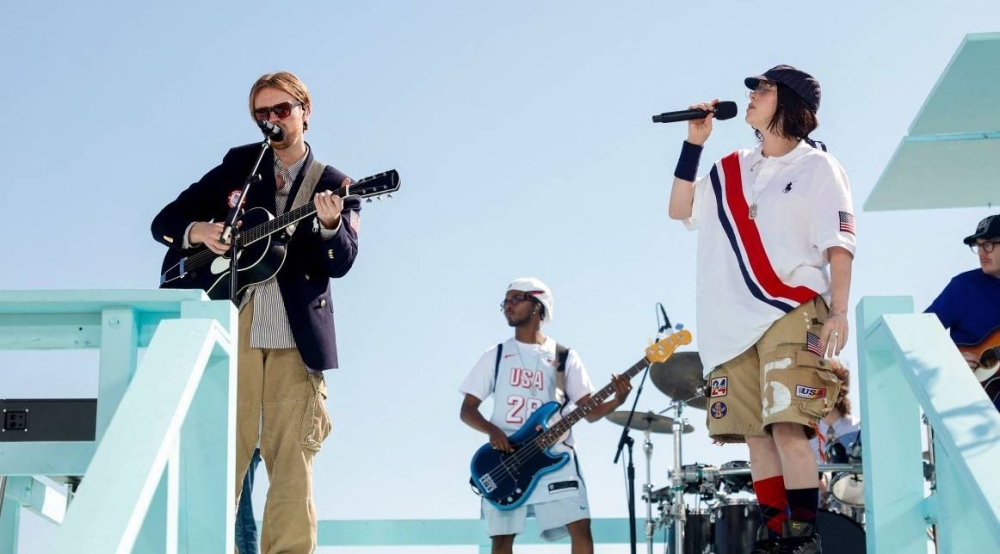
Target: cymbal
<point>680,377</point>
<point>648,420</point>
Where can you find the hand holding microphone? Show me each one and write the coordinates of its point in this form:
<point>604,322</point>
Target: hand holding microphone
<point>699,118</point>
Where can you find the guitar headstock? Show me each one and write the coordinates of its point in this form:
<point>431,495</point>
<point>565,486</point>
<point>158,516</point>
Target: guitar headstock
<point>386,183</point>
<point>662,349</point>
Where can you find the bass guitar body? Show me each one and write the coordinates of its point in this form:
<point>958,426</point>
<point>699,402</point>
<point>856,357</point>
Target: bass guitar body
<point>507,480</point>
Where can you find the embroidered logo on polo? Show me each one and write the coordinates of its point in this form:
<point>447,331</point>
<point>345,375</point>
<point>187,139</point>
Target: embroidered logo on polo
<point>719,410</point>
<point>720,386</point>
<point>802,391</point>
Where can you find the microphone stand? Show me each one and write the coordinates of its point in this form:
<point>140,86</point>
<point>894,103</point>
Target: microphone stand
<point>627,440</point>
<point>230,233</point>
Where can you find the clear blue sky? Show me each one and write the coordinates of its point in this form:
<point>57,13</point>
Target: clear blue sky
<point>522,134</point>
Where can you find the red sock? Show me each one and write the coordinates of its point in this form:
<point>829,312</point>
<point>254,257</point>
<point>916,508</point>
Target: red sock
<point>773,503</point>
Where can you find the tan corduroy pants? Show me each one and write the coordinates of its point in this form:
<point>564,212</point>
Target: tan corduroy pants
<point>280,402</point>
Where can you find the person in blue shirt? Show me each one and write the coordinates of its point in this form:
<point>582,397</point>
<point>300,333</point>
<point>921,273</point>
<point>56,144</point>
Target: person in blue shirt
<point>969,306</point>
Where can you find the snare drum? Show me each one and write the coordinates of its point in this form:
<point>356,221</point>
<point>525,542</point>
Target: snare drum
<point>846,487</point>
<point>736,476</point>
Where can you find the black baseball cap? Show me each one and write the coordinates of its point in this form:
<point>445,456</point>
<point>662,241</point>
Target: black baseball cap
<point>988,229</point>
<point>801,83</point>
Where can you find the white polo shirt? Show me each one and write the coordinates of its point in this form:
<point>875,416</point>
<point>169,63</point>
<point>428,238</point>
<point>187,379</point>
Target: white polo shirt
<point>751,272</point>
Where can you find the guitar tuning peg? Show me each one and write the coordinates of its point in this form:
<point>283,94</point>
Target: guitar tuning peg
<point>368,200</point>
<point>388,195</point>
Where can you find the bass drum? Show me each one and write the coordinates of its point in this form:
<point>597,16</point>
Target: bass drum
<point>840,534</point>
<point>697,534</point>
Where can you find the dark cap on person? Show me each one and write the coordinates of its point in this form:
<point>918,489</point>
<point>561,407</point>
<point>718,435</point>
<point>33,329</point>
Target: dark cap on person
<point>801,83</point>
<point>987,229</point>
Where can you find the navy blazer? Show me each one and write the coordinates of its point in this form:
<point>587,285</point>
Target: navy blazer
<point>310,263</point>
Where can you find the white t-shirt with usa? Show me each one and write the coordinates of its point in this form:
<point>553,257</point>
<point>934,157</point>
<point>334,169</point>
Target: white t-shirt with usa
<point>527,380</point>
<point>752,271</point>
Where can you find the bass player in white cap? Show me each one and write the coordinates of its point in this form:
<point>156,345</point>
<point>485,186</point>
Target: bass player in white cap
<point>522,374</point>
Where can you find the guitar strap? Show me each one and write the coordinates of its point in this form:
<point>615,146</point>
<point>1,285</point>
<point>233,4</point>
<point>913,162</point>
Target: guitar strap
<point>562,353</point>
<point>308,185</point>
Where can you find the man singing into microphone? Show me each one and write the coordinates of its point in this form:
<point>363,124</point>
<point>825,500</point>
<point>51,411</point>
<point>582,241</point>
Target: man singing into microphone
<point>776,245</point>
<point>286,333</point>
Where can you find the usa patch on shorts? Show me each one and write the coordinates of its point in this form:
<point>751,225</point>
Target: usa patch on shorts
<point>811,393</point>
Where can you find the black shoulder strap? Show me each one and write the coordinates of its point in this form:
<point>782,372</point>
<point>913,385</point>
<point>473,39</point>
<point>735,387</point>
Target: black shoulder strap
<point>496,367</point>
<point>562,353</point>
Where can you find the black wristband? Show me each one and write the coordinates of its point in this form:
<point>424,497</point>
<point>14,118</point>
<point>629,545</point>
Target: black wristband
<point>687,164</point>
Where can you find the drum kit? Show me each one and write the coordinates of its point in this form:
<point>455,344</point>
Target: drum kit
<point>723,514</point>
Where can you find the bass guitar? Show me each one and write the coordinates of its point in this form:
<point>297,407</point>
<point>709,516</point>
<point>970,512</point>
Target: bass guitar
<point>507,480</point>
<point>260,256</point>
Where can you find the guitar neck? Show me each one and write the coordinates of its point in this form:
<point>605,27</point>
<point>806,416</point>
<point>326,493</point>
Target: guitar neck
<point>284,220</point>
<point>550,437</point>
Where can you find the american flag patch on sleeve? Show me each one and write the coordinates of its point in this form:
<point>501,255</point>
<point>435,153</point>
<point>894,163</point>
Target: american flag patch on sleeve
<point>812,344</point>
<point>354,220</point>
<point>846,222</point>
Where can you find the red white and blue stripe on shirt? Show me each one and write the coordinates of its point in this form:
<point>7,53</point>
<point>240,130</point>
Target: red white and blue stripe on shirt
<point>757,271</point>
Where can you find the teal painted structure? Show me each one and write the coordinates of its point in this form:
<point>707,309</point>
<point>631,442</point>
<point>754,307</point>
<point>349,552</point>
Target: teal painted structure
<point>908,364</point>
<point>165,426</point>
<point>951,155</point>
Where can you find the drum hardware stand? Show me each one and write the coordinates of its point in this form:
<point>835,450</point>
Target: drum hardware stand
<point>647,447</point>
<point>677,509</point>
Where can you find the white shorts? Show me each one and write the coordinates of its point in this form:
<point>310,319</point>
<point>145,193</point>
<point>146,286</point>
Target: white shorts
<point>552,515</point>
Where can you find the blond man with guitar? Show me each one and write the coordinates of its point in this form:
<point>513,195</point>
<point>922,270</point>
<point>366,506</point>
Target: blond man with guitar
<point>969,307</point>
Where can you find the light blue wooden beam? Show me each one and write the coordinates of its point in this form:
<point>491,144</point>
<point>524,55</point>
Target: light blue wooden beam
<point>113,500</point>
<point>452,532</point>
<point>890,435</point>
<point>208,445</point>
<point>10,518</point>
<point>45,458</point>
<point>119,349</point>
<point>967,432</point>
<point>31,494</point>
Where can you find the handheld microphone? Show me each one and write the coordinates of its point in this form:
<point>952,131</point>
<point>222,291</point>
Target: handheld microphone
<point>271,131</point>
<point>723,110</point>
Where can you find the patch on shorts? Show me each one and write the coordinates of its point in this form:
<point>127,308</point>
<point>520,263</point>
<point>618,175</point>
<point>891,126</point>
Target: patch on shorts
<point>809,392</point>
<point>720,386</point>
<point>719,410</point>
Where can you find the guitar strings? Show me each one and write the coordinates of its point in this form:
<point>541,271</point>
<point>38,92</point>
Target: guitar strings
<point>536,445</point>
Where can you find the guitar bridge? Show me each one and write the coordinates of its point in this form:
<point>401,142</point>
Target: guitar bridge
<point>487,483</point>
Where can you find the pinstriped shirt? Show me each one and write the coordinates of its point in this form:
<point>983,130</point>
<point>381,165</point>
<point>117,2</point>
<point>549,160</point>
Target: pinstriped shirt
<point>270,327</point>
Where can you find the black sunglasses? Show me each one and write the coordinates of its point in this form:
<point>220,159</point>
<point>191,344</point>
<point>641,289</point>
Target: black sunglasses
<point>281,110</point>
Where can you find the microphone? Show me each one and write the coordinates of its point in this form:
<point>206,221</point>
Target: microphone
<point>666,321</point>
<point>723,110</point>
<point>271,131</point>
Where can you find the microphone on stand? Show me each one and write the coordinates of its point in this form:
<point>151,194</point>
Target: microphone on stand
<point>271,131</point>
<point>723,110</point>
<point>666,320</point>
